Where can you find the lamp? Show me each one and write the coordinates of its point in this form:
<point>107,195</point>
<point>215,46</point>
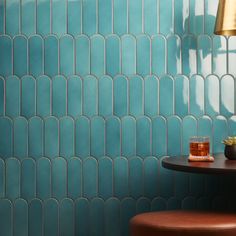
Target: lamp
<point>226,18</point>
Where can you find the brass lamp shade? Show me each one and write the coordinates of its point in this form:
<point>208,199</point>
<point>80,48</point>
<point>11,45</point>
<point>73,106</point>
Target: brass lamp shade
<point>226,18</point>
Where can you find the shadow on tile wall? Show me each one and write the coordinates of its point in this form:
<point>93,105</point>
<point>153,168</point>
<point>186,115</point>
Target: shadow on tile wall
<point>93,94</point>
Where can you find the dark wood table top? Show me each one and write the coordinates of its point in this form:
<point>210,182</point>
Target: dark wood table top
<point>221,165</point>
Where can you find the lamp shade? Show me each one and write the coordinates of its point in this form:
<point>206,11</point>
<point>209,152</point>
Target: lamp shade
<point>226,18</point>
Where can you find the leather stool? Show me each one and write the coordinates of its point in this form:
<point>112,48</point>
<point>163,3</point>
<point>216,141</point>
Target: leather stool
<point>183,223</point>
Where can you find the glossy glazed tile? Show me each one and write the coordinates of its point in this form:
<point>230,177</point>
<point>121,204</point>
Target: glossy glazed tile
<point>66,48</point>
<point>2,178</point>
<point>143,205</point>
<point>51,55</point>
<point>105,23</point>
<point>166,17</point>
<point>158,204</point>
<point>20,56</point>
<point>2,96</point>
<point>143,55</point>
<point>231,55</point>
<point>150,17</point>
<point>59,17</point>
<point>189,203</point>
<point>2,17</point>
<point>135,17</point>
<point>6,217</point>
<point>232,126</point>
<point>12,18</point>
<point>120,17</point>
<point>173,203</point>
<point>105,177</point>
<point>197,185</point>
<point>43,20</point>
<point>20,140</point>
<point>74,17</point>
<point>6,55</point>
<point>90,175</point>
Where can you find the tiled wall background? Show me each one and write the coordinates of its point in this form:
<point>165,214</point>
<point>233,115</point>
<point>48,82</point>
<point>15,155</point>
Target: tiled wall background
<point>93,93</point>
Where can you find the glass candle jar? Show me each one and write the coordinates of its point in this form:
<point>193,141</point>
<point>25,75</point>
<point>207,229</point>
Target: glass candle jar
<point>199,147</point>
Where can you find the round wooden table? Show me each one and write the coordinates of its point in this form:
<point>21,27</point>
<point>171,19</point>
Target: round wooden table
<point>221,165</point>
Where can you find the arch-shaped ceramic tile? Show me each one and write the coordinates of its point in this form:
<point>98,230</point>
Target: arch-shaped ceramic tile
<point>174,125</point>
<point>82,54</point>
<point>212,95</point>
<point>220,132</point>
<point>90,176</point>
<point>166,17</point>
<point>113,137</point>
<point>151,95</point>
<point>97,136</point>
<point>2,178</point>
<point>181,184</point>
<point>12,20</point>
<point>181,91</point>
<point>74,17</point>
<point>128,55</point>
<point>158,204</point>
<point>159,136</point>
<point>121,185</point>
<point>59,178</point>
<point>59,96</point>
<point>166,96</point>
<point>97,217</point>
<point>59,17</point>
<point>20,216</point>
<point>127,211</point>
<point>173,55</point>
<point>43,25</point>
<point>35,137</point>
<point>197,185</point>
<point>90,96</point>
<point>20,147</point>
<point>227,103</point>
<point>74,93</point>
<point>143,140</point>
<point>74,178</point>
<point>212,186</point>
<point>150,17</point>
<point>173,203</point>
<point>82,137</point>
<point>120,17</point>
<point>2,18</point>
<point>210,15</point>
<point>35,217</point>
<point>189,55</point>
<point>66,137</point>
<point>66,216</point>
<point>232,126</point>
<point>28,179</point>
<point>105,177</point>
<point>143,205</point>
<point>105,96</point>
<point>128,136</point>
<point>28,96</point>
<point>43,178</point>
<point>204,203</point>
<point>97,55</point>
<point>6,217</point>
<point>12,100</point>
<point>51,137</point>
<point>136,184</point>
<point>6,145</point>
<point>232,55</point>
<point>51,217</point>
<point>35,44</point>
<point>20,55</point>
<point>28,17</point>
<point>219,55</point>
<point>143,55</point>
<point>150,169</point>
<point>105,23</point>
<point>196,86</point>
<point>196,16</point>
<point>113,55</point>
<point>135,17</point>
<point>51,55</point>
<point>189,203</point>
<point>204,60</point>
<point>189,129</point>
<point>158,55</point>
<point>67,63</point>
<point>82,217</point>
<point>12,178</point>
<point>89,21</point>
<point>43,98</point>
<point>136,95</point>
<point>120,102</point>
<point>2,96</point>
<point>181,17</point>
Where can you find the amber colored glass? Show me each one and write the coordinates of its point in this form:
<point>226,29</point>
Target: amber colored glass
<point>199,146</point>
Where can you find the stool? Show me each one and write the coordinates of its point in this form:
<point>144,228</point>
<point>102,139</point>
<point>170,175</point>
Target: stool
<point>183,223</point>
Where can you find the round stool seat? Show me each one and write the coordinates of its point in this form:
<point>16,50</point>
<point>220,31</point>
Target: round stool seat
<point>183,223</point>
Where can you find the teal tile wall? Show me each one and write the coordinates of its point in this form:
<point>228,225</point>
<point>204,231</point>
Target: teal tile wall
<point>93,94</point>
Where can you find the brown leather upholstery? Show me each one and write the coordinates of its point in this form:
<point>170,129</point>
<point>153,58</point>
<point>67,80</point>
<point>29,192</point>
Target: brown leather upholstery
<point>183,223</point>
